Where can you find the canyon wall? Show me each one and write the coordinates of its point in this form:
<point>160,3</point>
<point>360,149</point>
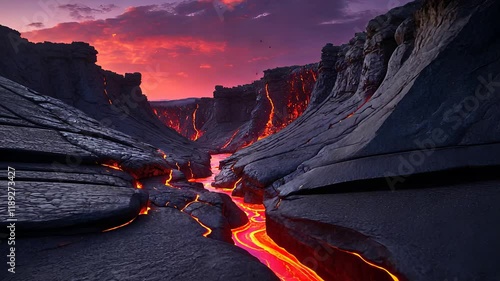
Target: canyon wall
<point>72,185</point>
<point>399,143</point>
<point>239,116</point>
<point>69,72</point>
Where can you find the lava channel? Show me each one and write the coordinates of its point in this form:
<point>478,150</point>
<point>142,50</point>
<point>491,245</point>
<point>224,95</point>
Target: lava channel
<point>253,238</point>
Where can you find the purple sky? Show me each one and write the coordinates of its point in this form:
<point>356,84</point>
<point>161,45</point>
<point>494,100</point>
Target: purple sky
<point>185,48</point>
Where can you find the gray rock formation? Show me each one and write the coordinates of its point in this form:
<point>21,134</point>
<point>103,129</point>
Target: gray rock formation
<point>239,116</point>
<point>65,165</point>
<point>68,72</point>
<point>74,177</point>
<point>414,104</point>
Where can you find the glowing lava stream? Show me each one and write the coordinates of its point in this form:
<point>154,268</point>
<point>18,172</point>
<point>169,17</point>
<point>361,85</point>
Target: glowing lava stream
<point>253,238</point>
<point>269,124</point>
<point>197,135</point>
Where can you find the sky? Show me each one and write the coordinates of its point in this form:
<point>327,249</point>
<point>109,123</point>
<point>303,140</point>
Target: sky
<point>183,48</point>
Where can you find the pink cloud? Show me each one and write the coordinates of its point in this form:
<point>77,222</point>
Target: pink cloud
<point>164,42</point>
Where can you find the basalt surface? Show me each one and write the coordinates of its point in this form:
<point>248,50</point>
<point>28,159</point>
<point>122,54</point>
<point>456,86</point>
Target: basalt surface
<point>76,178</point>
<point>165,245</point>
<point>410,105</point>
<point>69,72</point>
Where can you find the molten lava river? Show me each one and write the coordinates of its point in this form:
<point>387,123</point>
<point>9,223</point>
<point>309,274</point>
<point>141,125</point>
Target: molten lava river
<point>253,238</point>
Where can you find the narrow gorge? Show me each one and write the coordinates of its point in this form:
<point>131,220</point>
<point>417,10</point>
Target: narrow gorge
<point>377,162</point>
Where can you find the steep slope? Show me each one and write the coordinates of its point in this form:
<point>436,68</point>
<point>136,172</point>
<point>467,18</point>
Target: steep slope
<point>68,72</point>
<point>394,161</point>
<point>239,116</point>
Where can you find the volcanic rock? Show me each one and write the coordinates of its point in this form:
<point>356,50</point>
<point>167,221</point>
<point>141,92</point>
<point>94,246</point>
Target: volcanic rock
<point>165,245</point>
<point>68,72</point>
<point>71,174</point>
<point>414,97</point>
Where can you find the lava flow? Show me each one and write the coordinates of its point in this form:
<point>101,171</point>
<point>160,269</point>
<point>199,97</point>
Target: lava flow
<point>269,125</point>
<point>197,132</point>
<point>105,90</point>
<point>253,238</point>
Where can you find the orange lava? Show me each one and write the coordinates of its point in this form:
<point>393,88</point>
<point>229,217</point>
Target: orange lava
<point>394,277</point>
<point>315,78</point>
<point>113,166</point>
<point>230,140</point>
<point>253,238</point>
<point>197,132</point>
<point>145,211</point>
<point>208,229</point>
<point>269,125</point>
<point>106,91</point>
<point>138,185</point>
<point>163,154</point>
<point>170,176</point>
<point>120,226</point>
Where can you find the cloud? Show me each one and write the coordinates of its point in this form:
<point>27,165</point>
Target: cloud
<point>36,25</point>
<point>189,37</point>
<point>83,12</point>
<point>261,15</point>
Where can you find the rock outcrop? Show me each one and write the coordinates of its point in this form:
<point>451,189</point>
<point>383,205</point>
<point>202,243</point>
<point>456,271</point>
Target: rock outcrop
<point>411,103</point>
<point>69,72</point>
<point>239,116</point>
<point>70,172</point>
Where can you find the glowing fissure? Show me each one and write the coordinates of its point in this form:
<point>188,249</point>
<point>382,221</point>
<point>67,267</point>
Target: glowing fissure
<point>105,90</point>
<point>269,124</point>
<point>208,229</point>
<point>315,78</point>
<point>394,277</point>
<point>230,139</point>
<point>113,166</point>
<point>169,179</point>
<point>197,132</point>
<point>119,226</point>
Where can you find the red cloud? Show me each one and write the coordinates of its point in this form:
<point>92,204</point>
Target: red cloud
<point>165,42</point>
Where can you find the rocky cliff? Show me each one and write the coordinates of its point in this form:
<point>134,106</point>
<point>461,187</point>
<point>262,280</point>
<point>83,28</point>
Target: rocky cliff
<point>239,116</point>
<point>70,178</point>
<point>69,72</point>
<point>409,104</point>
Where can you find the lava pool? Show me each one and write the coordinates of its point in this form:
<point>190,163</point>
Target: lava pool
<point>253,238</point>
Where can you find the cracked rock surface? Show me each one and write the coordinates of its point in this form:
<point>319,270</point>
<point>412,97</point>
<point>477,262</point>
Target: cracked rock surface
<point>69,73</point>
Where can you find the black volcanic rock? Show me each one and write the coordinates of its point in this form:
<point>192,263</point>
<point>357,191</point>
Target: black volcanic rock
<point>165,245</point>
<point>416,234</point>
<point>414,97</point>
<point>74,177</point>
<point>68,72</point>
<point>215,211</point>
<point>65,165</point>
<point>239,116</point>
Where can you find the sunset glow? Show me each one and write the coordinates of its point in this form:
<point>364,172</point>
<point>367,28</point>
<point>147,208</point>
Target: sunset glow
<point>185,48</point>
